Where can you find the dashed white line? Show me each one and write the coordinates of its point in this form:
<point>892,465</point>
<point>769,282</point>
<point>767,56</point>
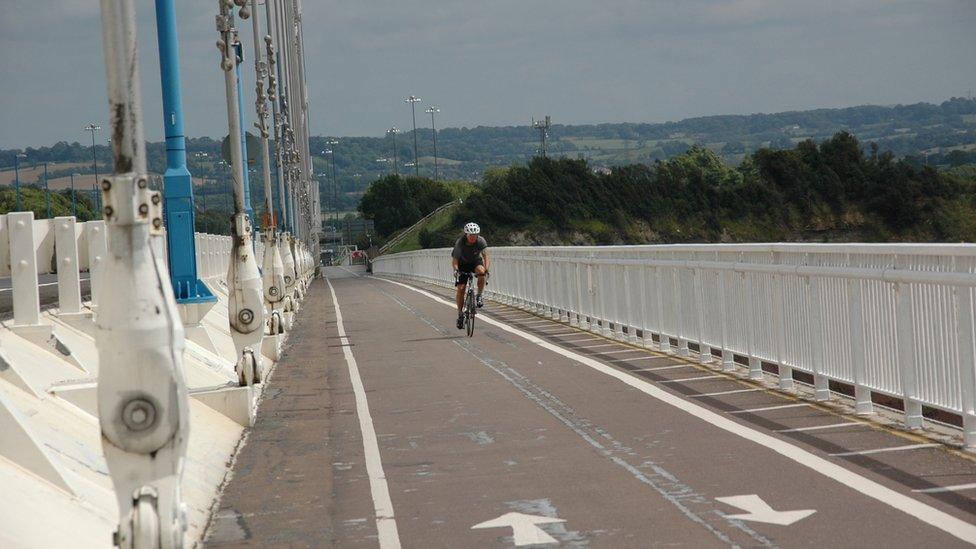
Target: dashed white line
<point>941,489</point>
<point>884,450</point>
<point>732,392</point>
<point>767,408</point>
<point>821,427</point>
<point>686,379</point>
<point>845,477</point>
<point>658,368</point>
<point>386,525</point>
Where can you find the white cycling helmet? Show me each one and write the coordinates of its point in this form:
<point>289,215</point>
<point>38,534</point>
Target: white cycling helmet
<point>472,228</point>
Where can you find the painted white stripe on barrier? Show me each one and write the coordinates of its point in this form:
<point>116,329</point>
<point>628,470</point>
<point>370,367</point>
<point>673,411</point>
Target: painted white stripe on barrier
<point>847,478</point>
<point>386,525</point>
<point>885,450</point>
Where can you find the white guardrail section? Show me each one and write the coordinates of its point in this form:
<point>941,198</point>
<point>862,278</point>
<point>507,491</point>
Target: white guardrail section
<point>56,489</point>
<point>892,319</point>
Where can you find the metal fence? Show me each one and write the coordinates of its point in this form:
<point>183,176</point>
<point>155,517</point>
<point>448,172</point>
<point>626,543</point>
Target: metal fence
<point>30,247</point>
<point>893,319</point>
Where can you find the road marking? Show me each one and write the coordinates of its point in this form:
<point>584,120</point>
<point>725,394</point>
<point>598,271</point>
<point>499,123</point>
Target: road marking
<point>767,408</point>
<point>658,368</point>
<point>578,340</point>
<point>684,379</point>
<point>635,358</point>
<point>758,510</point>
<point>733,392</point>
<point>847,478</point>
<point>820,427</point>
<point>386,525</point>
<point>955,488</point>
<point>600,345</point>
<point>883,450</point>
<point>524,529</point>
<point>623,351</point>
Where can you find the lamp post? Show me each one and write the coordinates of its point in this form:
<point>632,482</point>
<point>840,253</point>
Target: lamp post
<point>394,131</point>
<point>433,130</point>
<point>413,100</point>
<point>94,128</point>
<point>47,193</point>
<point>335,180</point>
<point>74,202</point>
<point>17,177</point>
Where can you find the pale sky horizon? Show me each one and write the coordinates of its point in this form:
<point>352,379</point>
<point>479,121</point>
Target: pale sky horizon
<point>500,63</point>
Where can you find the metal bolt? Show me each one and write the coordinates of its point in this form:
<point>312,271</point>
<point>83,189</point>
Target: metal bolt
<point>273,290</point>
<point>106,184</point>
<point>109,211</point>
<point>139,414</point>
<point>246,316</point>
<point>156,199</point>
<point>142,182</point>
<point>143,209</point>
<point>157,222</point>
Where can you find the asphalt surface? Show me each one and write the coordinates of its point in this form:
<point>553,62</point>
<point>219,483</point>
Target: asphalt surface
<point>626,447</point>
<point>47,291</point>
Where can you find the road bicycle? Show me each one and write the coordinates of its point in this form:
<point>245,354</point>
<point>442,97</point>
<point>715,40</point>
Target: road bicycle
<point>470,308</point>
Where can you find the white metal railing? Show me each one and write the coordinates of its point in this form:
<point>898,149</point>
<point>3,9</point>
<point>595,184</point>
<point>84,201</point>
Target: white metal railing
<point>30,247</point>
<point>894,319</point>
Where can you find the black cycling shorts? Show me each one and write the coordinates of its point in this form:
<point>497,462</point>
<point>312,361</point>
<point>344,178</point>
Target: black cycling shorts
<point>467,268</point>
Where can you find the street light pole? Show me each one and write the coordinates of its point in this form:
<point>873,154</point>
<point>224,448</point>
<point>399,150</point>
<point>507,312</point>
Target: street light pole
<point>335,181</point>
<point>74,202</point>
<point>94,128</point>
<point>17,178</point>
<point>47,193</point>
<point>433,129</point>
<point>396,169</point>
<point>413,100</point>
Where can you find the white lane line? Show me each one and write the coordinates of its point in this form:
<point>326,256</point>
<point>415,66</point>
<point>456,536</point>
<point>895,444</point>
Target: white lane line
<point>955,488</point>
<point>845,477</point>
<point>699,378</point>
<point>821,427</point>
<point>732,392</point>
<point>599,345</point>
<point>386,525</point>
<point>657,368</point>
<point>767,408</point>
<point>883,450</point>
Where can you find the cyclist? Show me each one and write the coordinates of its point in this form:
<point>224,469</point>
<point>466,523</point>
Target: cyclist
<point>470,255</point>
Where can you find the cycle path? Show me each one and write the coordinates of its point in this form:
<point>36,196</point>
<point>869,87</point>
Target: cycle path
<point>540,433</point>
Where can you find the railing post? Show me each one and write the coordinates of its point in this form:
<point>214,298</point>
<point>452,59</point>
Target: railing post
<point>967,362</point>
<point>97,250</point>
<point>755,365</point>
<point>605,297</point>
<point>779,332</point>
<point>23,269</point>
<point>821,384</point>
<point>647,340</point>
<point>862,393</point>
<point>69,277</point>
<point>704,354</point>
<point>728,364</point>
<point>906,357</point>
<point>664,342</point>
<point>679,309</point>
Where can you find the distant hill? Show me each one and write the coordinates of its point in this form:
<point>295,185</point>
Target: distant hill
<point>943,134</point>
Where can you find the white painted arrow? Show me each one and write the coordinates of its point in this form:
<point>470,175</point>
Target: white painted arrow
<point>758,510</point>
<point>524,528</point>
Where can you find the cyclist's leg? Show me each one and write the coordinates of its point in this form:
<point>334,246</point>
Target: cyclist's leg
<point>480,272</point>
<point>461,286</point>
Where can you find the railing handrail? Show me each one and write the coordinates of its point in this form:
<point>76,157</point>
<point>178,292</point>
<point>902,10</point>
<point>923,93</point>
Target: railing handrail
<point>403,234</point>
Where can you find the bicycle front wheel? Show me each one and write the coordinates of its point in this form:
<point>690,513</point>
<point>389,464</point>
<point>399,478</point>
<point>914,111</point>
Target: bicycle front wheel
<point>469,315</point>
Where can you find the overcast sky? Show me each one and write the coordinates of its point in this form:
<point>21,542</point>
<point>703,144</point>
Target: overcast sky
<point>500,62</point>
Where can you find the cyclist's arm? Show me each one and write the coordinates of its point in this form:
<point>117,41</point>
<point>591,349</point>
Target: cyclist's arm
<point>484,254</point>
